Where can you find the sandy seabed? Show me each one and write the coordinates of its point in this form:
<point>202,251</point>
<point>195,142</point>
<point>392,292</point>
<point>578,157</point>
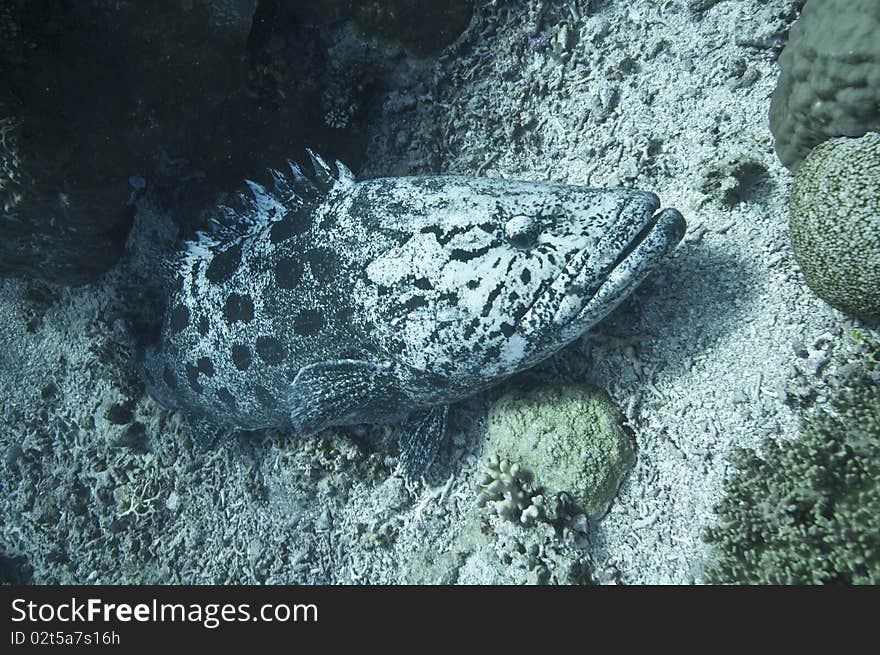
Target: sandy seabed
<point>670,97</point>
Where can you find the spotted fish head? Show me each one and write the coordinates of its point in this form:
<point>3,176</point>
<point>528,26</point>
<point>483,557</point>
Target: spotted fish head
<point>491,276</point>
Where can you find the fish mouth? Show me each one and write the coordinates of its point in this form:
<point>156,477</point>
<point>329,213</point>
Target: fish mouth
<point>595,280</point>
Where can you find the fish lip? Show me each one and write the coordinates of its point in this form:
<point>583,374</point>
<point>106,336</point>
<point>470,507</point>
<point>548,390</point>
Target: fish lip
<point>633,223</point>
<point>596,279</point>
<point>660,233</point>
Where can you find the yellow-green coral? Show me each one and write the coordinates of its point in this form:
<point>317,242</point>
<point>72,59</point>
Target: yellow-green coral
<point>835,223</point>
<point>568,438</point>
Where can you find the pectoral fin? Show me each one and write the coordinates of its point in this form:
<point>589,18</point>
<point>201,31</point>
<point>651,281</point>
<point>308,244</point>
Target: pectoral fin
<point>344,392</point>
<point>206,434</point>
<point>420,437</point>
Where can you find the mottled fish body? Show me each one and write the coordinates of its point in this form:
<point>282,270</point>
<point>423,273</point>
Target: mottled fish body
<point>327,301</point>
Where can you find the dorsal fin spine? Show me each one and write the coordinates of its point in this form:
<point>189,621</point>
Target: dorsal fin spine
<point>262,206</point>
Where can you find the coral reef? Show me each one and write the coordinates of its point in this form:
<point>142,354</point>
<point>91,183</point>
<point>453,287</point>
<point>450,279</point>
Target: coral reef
<point>502,487</point>
<point>834,223</point>
<point>829,81</point>
<point>506,489</point>
<point>569,438</point>
<point>808,512</point>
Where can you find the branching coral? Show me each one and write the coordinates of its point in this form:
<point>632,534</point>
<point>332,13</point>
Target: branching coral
<point>808,512</point>
<point>503,487</point>
<point>507,489</point>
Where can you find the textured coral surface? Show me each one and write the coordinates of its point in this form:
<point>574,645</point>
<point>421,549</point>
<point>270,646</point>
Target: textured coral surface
<point>835,223</point>
<point>829,77</point>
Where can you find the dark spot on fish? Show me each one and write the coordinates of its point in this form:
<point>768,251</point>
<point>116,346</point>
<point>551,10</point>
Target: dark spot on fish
<point>202,326</point>
<point>287,273</point>
<point>489,228</point>
<point>263,397</point>
<point>241,356</point>
<point>467,255</point>
<point>192,374</point>
<point>507,329</point>
<point>492,354</point>
<point>436,231</point>
<point>471,328</point>
<point>224,265</point>
<point>395,208</point>
<point>343,314</point>
<point>445,237</point>
<point>423,283</point>
<point>415,302</point>
<point>308,321</point>
<point>525,276</point>
<point>513,296</point>
<point>294,222</point>
<point>179,318</point>
<point>270,350</point>
<point>224,395</point>
<point>238,308</point>
<point>169,378</point>
<point>382,290</point>
<point>194,278</point>
<point>328,220</point>
<point>205,366</point>
<point>323,263</point>
<point>473,284</point>
<point>441,237</point>
<point>490,299</point>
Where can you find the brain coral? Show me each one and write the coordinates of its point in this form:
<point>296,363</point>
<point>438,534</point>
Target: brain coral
<point>829,80</point>
<point>569,438</point>
<point>835,223</point>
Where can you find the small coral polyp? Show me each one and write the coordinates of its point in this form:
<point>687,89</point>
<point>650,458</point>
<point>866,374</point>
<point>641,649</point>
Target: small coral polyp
<point>503,487</point>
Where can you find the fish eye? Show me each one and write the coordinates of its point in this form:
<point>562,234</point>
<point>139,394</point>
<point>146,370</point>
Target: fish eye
<point>522,231</point>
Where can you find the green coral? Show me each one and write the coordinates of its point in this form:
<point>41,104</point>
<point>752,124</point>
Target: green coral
<point>834,222</point>
<point>808,511</point>
<point>570,440</point>
<point>829,77</point>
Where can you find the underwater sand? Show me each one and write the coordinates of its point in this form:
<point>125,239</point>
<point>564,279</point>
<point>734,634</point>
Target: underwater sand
<point>645,95</point>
